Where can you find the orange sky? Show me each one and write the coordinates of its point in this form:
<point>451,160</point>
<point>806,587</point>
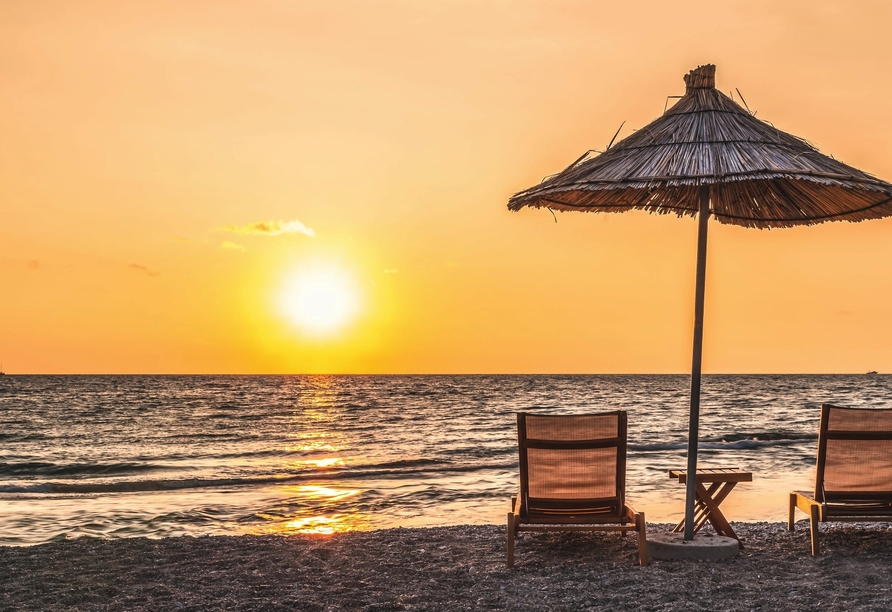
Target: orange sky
<point>133,134</point>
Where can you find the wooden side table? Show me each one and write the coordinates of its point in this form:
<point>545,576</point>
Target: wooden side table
<point>706,506</point>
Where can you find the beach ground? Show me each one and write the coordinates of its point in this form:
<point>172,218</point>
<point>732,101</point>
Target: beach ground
<point>449,568</point>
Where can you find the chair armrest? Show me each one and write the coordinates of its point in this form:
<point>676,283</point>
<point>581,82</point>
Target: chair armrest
<point>805,501</point>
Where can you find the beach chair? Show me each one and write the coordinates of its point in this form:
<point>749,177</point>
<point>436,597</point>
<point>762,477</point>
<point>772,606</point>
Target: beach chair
<point>854,473</point>
<point>573,477</point>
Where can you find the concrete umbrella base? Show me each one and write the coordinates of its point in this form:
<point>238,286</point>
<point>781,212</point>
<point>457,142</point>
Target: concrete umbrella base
<point>704,547</point>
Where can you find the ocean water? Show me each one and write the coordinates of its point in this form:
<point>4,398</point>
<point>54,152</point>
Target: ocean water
<point>159,456</point>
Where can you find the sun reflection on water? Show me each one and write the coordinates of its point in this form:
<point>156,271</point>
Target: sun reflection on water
<point>311,447</point>
<point>312,524</point>
<point>319,463</point>
<point>320,492</point>
<point>315,499</point>
<point>324,525</point>
<point>316,508</point>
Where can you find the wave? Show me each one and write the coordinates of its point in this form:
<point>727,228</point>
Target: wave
<point>131,486</point>
<point>138,465</point>
<point>392,470</point>
<point>43,468</point>
<point>732,442</point>
<point>763,436</point>
<point>275,453</point>
<point>403,463</point>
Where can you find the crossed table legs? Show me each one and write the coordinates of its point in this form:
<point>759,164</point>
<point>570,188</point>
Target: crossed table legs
<point>706,506</point>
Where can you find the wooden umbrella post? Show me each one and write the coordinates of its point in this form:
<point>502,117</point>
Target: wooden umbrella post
<point>694,424</point>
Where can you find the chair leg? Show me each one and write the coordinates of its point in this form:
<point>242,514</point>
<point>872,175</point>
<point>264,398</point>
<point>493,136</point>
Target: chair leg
<point>510,539</point>
<point>791,521</point>
<point>641,526</point>
<point>815,517</point>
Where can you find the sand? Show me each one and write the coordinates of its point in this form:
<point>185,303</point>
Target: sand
<point>448,568</point>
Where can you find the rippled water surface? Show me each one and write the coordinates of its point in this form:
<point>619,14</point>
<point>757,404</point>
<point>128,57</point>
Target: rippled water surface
<point>159,456</point>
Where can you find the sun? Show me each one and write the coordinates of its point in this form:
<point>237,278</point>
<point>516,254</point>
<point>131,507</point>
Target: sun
<point>320,300</point>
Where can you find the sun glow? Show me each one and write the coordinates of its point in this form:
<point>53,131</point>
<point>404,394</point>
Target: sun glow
<point>320,300</point>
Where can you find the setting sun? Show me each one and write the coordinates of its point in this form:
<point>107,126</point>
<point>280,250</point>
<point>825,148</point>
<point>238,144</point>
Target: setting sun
<point>320,300</point>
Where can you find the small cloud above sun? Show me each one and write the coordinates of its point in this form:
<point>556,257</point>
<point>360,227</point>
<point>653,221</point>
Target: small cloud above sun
<point>320,300</point>
<point>143,269</point>
<point>270,228</point>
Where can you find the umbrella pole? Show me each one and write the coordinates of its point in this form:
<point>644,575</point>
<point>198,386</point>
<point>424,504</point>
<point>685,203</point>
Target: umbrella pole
<point>694,425</point>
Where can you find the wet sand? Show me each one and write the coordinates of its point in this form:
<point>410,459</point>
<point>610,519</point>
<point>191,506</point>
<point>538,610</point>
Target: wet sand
<point>448,568</point>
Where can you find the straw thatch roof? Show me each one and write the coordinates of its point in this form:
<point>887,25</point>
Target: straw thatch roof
<point>758,175</point>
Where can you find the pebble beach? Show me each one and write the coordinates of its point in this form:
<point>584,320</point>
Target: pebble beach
<point>448,568</point>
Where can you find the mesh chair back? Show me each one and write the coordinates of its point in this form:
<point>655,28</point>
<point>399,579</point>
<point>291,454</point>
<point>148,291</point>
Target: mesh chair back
<point>854,455</point>
<point>572,467</point>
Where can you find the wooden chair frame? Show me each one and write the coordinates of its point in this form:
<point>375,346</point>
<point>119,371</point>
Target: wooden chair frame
<point>608,514</point>
<point>835,506</point>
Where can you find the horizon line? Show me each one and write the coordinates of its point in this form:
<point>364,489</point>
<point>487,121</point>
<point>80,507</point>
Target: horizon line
<point>870,373</point>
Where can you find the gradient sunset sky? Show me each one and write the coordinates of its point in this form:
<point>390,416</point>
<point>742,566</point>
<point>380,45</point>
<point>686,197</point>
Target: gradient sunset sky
<point>171,172</point>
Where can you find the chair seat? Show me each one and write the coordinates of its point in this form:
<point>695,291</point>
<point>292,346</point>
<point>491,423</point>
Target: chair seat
<point>873,512</point>
<point>562,518</point>
<point>578,513</point>
<point>841,505</point>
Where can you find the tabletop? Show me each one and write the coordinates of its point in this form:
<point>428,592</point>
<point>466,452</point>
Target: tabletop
<point>714,475</point>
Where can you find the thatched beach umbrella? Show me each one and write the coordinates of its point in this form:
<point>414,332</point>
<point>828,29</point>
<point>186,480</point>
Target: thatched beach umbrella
<point>705,156</point>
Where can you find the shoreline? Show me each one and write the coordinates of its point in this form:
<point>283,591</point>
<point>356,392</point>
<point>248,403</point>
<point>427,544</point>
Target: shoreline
<point>448,568</point>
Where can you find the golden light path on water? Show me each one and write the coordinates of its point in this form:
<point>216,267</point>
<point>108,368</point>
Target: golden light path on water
<point>318,524</point>
<point>324,438</point>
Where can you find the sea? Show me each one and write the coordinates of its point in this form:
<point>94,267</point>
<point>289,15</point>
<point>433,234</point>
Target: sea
<point>163,456</point>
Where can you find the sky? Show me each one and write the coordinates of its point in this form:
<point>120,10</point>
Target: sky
<point>321,187</point>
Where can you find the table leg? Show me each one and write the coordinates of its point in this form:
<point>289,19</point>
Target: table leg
<point>701,510</point>
<point>714,514</point>
<point>707,509</point>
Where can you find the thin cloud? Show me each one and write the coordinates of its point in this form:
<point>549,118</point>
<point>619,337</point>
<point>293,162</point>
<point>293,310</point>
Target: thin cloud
<point>270,228</point>
<point>233,246</point>
<point>390,271</point>
<point>33,264</point>
<point>143,269</point>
